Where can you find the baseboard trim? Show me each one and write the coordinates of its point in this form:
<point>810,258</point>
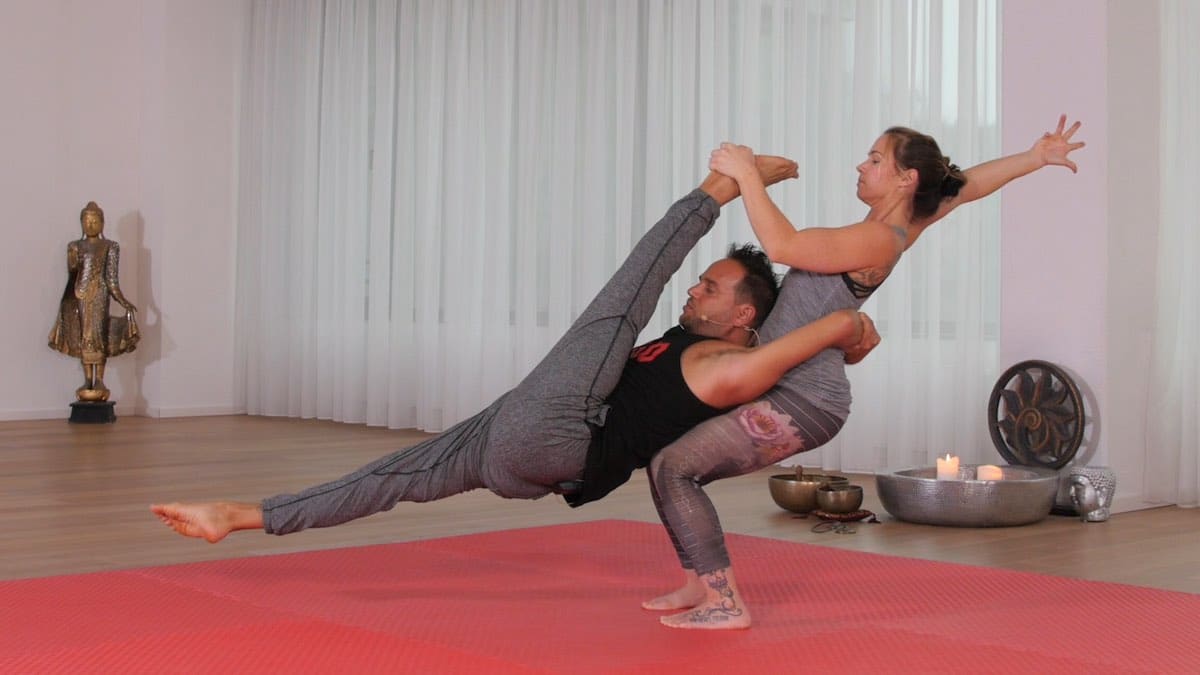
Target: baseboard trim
<point>41,414</point>
<point>1123,503</point>
<point>187,411</point>
<point>64,412</point>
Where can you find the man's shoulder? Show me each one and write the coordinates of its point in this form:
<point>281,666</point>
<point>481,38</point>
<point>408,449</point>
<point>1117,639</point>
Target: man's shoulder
<point>709,348</point>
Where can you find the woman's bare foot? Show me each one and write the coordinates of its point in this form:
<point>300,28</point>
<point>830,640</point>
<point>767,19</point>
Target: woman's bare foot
<point>690,595</point>
<point>210,521</point>
<point>721,609</point>
<point>772,169</point>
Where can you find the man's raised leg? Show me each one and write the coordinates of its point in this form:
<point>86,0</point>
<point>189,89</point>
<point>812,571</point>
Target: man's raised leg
<point>593,352</point>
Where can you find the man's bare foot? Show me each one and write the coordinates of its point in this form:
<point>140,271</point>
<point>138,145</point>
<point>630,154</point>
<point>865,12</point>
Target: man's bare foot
<point>210,521</point>
<point>690,595</point>
<point>721,609</point>
<point>771,168</point>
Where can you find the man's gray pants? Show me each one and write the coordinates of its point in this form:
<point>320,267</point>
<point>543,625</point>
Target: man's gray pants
<point>536,435</point>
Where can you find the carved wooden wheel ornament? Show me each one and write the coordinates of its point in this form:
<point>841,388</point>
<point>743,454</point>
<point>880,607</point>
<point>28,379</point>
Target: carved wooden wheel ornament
<point>1041,420</point>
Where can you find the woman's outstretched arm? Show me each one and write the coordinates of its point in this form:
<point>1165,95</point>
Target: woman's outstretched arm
<point>1052,149</point>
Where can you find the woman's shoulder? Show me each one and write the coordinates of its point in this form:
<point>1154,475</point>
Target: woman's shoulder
<point>888,237</point>
<point>883,227</point>
<point>878,232</point>
<point>884,234</point>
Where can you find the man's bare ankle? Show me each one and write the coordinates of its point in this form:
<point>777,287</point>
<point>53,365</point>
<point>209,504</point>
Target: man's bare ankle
<point>773,168</point>
<point>720,187</point>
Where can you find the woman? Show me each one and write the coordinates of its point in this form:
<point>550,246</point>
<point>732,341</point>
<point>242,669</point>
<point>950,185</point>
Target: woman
<point>908,185</point>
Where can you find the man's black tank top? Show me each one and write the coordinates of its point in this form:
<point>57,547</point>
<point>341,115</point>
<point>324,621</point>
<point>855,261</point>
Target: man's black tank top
<point>649,409</point>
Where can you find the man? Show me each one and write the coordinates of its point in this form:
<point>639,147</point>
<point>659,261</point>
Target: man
<point>568,427</point>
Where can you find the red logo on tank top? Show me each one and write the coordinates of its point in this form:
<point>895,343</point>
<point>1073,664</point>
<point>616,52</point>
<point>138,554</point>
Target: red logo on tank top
<point>649,351</point>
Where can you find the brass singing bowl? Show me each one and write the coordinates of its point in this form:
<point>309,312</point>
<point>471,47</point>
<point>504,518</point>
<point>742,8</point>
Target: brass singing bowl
<point>799,494</point>
<point>839,497</point>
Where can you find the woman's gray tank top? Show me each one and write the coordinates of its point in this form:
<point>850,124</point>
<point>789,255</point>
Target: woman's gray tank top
<point>805,297</point>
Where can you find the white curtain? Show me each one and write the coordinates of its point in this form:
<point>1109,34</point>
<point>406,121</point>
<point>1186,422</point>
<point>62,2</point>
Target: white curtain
<point>430,191</point>
<point>1173,446</point>
<point>924,392</point>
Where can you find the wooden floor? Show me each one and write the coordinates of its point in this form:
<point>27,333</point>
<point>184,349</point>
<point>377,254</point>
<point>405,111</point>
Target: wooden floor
<point>74,498</point>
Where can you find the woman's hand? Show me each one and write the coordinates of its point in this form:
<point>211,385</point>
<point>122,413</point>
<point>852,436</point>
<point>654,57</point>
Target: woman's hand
<point>735,161</point>
<point>1053,148</point>
<point>869,340</point>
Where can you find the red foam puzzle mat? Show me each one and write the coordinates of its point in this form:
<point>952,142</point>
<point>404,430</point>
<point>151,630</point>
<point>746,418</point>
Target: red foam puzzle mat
<point>566,599</point>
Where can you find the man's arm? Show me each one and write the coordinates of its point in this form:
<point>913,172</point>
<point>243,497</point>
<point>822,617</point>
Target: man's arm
<point>724,375</point>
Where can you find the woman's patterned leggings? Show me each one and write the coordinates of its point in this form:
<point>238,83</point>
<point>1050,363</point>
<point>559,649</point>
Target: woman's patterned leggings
<point>742,440</point>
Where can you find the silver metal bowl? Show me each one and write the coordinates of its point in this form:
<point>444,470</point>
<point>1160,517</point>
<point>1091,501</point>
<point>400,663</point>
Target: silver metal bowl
<point>1023,495</point>
<point>799,495</point>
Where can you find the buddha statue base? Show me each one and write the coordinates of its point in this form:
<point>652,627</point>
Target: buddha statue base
<point>93,412</point>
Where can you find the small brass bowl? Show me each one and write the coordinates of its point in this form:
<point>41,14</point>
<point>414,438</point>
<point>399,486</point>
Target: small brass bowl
<point>799,494</point>
<point>840,498</point>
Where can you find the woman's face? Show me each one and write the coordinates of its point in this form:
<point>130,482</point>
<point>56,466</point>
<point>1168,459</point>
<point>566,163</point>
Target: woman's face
<point>878,175</point>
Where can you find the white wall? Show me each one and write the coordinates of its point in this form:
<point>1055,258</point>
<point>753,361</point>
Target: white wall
<point>1134,96</point>
<point>189,163</point>
<point>130,103</point>
<point>1078,257</point>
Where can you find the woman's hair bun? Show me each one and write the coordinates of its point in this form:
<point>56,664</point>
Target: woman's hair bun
<point>953,181</point>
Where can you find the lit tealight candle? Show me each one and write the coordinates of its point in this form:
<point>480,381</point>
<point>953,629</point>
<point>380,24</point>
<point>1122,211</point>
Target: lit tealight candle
<point>988,472</point>
<point>947,467</point>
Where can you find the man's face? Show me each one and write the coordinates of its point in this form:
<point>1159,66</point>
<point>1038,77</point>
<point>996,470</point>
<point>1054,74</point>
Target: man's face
<point>714,297</point>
